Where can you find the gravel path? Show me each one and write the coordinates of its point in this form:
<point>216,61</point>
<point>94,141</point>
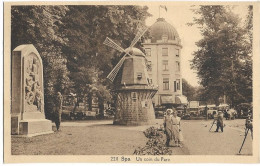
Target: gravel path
<point>92,140</point>
<point>200,141</point>
<point>103,138</point>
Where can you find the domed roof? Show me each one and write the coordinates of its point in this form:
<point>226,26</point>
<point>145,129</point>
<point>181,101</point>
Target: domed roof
<point>160,28</point>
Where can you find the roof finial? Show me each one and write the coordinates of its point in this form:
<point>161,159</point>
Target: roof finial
<point>164,7</point>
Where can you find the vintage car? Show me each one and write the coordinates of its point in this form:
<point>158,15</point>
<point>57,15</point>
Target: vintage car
<point>231,114</point>
<point>108,113</point>
<point>160,112</point>
<point>76,109</point>
<point>228,113</point>
<point>244,109</point>
<point>212,110</point>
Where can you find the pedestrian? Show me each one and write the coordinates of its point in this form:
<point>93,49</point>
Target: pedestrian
<point>220,123</point>
<point>249,123</point>
<point>168,127</point>
<point>206,112</point>
<point>58,110</point>
<point>176,128</point>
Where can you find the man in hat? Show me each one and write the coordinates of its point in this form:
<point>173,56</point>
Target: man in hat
<point>220,123</point>
<point>58,110</point>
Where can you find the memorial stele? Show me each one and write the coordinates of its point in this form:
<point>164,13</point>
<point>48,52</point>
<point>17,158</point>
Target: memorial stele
<point>27,93</point>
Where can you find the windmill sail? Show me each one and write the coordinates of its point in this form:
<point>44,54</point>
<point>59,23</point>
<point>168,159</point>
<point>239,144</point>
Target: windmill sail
<point>112,44</point>
<point>112,75</point>
<point>141,30</point>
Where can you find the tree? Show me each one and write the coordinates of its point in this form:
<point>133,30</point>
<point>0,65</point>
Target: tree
<point>188,90</point>
<point>70,42</point>
<point>86,27</point>
<point>39,25</point>
<point>222,57</point>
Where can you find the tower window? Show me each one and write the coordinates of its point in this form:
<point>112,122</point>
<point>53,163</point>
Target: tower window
<point>149,65</point>
<point>178,82</point>
<point>178,66</point>
<point>148,51</point>
<point>150,81</point>
<point>134,96</point>
<point>164,38</point>
<point>175,88</point>
<point>165,65</point>
<point>139,76</point>
<point>164,51</point>
<point>165,83</point>
<point>177,52</point>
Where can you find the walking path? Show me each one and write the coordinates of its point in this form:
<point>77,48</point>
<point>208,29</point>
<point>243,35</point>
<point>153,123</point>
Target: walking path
<point>100,137</point>
<point>201,141</point>
<point>197,138</point>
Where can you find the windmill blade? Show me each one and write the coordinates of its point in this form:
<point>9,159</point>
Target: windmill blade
<point>141,30</point>
<point>109,42</point>
<point>112,75</point>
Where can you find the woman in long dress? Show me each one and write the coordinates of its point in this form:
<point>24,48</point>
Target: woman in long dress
<point>176,129</point>
<point>168,127</point>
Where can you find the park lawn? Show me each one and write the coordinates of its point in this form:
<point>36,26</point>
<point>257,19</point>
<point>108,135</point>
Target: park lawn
<point>81,140</point>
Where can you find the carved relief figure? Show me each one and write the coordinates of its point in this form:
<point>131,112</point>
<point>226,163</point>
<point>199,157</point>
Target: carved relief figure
<point>33,92</point>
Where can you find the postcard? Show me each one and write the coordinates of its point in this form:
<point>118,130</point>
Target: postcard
<point>131,82</point>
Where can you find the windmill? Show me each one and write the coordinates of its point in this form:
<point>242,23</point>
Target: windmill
<point>134,93</point>
<point>128,51</point>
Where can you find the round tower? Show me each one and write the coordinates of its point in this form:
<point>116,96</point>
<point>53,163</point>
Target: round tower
<point>163,53</point>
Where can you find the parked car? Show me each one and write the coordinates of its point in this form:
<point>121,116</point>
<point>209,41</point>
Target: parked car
<point>231,114</point>
<point>212,110</point>
<point>186,116</point>
<point>244,109</point>
<point>76,109</point>
<point>109,113</point>
<point>202,110</point>
<point>194,112</point>
<point>159,114</point>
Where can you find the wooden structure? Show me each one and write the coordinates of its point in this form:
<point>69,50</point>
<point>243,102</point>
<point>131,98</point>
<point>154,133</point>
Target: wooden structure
<point>134,91</point>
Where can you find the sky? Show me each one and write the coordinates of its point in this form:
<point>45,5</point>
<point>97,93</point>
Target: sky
<point>179,16</point>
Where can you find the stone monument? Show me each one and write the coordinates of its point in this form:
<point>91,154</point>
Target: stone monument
<point>27,106</point>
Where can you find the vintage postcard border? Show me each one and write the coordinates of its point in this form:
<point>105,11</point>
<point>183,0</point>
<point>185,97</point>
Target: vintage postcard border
<point>8,158</point>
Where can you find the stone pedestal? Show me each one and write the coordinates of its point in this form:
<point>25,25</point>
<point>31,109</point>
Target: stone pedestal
<point>27,109</point>
<point>31,127</point>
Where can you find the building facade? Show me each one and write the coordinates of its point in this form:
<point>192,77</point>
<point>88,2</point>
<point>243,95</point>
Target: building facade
<point>163,52</point>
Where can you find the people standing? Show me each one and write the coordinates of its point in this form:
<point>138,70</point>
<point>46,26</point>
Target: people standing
<point>249,123</point>
<point>58,110</point>
<point>176,123</point>
<point>168,127</point>
<point>206,112</point>
<point>220,123</point>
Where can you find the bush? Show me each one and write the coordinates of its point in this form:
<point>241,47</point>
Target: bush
<point>155,145</point>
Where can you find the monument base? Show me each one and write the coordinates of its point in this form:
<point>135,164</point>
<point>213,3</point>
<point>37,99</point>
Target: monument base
<point>32,135</point>
<point>32,127</point>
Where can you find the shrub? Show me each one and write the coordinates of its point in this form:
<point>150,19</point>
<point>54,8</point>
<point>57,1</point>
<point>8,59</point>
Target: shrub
<point>155,145</point>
